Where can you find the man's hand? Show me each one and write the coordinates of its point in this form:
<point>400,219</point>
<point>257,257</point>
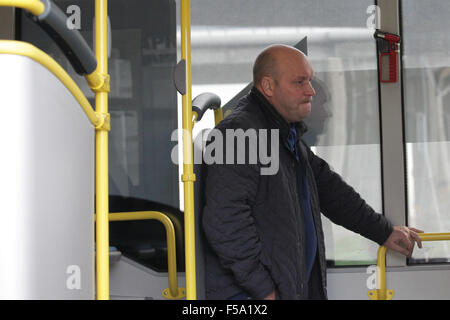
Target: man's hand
<point>402,240</point>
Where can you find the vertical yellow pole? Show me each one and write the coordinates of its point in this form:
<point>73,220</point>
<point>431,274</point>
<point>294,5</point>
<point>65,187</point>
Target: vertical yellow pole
<point>218,116</point>
<point>188,176</point>
<point>381,273</point>
<point>101,140</point>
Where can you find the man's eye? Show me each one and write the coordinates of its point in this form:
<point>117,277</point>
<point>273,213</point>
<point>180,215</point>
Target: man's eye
<point>302,82</point>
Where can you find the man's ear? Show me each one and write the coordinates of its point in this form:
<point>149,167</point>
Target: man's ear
<point>267,86</point>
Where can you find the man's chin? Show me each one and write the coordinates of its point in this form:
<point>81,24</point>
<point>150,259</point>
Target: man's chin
<point>306,110</point>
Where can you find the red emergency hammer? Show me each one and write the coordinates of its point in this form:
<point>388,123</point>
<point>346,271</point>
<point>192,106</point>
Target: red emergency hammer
<point>388,47</point>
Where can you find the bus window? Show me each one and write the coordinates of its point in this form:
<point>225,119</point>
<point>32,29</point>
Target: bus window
<point>426,63</point>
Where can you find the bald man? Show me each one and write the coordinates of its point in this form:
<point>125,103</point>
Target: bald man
<point>264,231</point>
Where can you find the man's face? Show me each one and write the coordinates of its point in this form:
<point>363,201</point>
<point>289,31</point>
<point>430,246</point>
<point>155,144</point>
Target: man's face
<point>292,90</point>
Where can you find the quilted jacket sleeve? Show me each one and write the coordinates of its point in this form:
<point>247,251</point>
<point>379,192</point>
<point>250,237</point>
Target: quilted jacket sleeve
<point>229,225</point>
<point>344,206</point>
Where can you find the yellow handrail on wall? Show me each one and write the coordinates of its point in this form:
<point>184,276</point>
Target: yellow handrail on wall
<point>28,50</point>
<point>382,293</point>
<point>36,7</point>
<point>173,292</point>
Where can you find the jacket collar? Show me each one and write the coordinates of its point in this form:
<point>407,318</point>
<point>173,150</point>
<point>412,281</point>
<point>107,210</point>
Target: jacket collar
<point>275,118</point>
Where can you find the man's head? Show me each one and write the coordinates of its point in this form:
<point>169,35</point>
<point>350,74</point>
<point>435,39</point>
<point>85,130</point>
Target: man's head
<point>283,75</point>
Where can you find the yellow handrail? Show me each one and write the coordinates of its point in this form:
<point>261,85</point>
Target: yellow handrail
<point>218,116</point>
<point>188,176</point>
<point>28,50</point>
<point>36,7</point>
<point>381,293</point>
<point>173,292</point>
<point>101,151</point>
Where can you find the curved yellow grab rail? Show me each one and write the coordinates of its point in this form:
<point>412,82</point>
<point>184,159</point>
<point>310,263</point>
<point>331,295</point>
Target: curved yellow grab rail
<point>173,292</point>
<point>28,50</point>
<point>218,116</point>
<point>382,293</point>
<point>36,7</point>
<point>178,229</point>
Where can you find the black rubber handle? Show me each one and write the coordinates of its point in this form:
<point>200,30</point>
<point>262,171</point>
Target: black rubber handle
<point>54,22</point>
<point>205,101</point>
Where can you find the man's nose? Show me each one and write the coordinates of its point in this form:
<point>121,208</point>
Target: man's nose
<point>310,91</point>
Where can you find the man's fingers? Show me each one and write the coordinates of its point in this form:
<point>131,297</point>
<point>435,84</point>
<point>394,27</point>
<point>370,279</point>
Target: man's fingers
<point>407,240</point>
<point>416,237</point>
<point>399,248</point>
<point>403,238</point>
<point>409,246</point>
<point>416,230</point>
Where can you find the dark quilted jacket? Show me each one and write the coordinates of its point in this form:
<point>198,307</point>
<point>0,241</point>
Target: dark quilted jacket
<point>254,223</point>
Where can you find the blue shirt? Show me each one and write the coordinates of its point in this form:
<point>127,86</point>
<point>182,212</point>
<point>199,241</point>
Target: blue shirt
<point>310,230</point>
